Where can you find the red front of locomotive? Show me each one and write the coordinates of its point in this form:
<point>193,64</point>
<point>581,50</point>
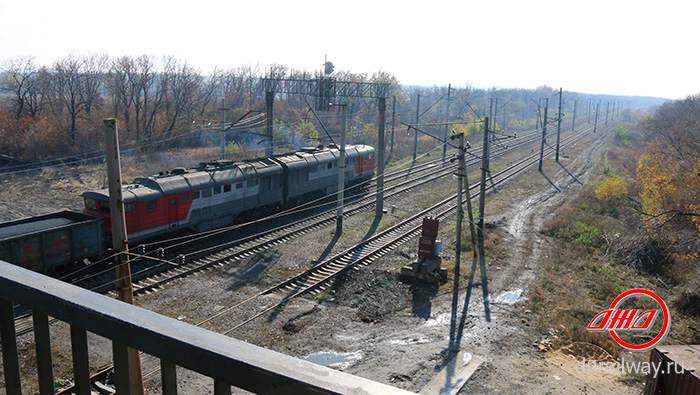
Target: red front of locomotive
<point>147,212</point>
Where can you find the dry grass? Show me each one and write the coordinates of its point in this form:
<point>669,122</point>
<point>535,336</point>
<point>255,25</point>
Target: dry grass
<point>594,254</point>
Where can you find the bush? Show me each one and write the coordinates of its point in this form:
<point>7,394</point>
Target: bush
<point>579,233</point>
<point>608,170</point>
<point>611,190</point>
<point>621,135</point>
<point>587,235</point>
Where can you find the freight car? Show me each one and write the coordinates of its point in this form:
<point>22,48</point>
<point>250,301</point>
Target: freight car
<point>677,370</point>
<point>213,194</point>
<point>53,242</point>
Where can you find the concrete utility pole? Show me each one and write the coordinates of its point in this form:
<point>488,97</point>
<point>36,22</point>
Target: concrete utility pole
<point>573,123</point>
<point>482,190</point>
<point>461,173</point>
<point>544,132</point>
<point>493,111</point>
<point>595,127</point>
<point>558,126</point>
<point>415,138</point>
<point>393,121</point>
<point>130,380</point>
<point>269,102</point>
<point>607,111</point>
<point>612,113</point>
<point>480,228</point>
<point>463,181</point>
<point>381,147</point>
<point>341,169</point>
<point>223,127</point>
<point>447,120</point>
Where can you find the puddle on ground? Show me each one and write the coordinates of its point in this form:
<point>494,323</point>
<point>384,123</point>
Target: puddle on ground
<point>409,341</point>
<point>441,319</point>
<point>340,361</point>
<point>509,297</point>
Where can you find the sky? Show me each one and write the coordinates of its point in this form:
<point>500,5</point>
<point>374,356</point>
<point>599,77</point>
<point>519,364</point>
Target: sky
<point>615,47</point>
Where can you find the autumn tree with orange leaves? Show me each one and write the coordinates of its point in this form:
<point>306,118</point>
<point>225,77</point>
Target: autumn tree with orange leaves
<point>668,173</point>
<point>669,169</point>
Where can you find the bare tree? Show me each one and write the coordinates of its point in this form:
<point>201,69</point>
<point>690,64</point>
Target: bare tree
<point>67,88</point>
<point>37,91</point>
<point>209,88</point>
<point>184,82</point>
<point>120,75</point>
<point>17,78</point>
<point>144,85</point>
<point>156,93</point>
<point>93,72</point>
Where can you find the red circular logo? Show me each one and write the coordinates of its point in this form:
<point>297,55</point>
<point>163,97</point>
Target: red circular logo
<point>615,319</point>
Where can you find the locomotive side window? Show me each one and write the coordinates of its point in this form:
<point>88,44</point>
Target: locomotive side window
<point>195,195</point>
<point>330,165</point>
<point>91,204</point>
<point>206,193</point>
<point>129,208</point>
<point>217,190</point>
<point>104,206</point>
<point>151,205</point>
<point>239,185</point>
<point>227,188</point>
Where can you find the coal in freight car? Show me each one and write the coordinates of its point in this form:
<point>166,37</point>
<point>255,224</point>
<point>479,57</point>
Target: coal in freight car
<point>52,242</point>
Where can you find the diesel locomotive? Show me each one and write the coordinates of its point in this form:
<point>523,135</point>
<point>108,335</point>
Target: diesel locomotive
<point>213,194</point>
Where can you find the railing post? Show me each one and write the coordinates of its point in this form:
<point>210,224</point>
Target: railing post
<point>221,388</point>
<point>10,359</point>
<point>168,375</point>
<point>81,361</point>
<point>42,341</point>
<point>120,355</point>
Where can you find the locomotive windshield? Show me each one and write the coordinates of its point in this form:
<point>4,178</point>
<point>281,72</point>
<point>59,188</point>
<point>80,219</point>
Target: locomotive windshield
<point>91,204</point>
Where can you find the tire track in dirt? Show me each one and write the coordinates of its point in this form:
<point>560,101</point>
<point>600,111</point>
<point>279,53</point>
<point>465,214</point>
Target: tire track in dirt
<point>512,364</point>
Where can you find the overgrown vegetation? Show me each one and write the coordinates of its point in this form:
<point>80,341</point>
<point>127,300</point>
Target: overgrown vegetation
<point>621,135</point>
<point>633,225</point>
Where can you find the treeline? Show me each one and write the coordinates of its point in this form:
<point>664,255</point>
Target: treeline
<point>669,178</point>
<point>57,110</point>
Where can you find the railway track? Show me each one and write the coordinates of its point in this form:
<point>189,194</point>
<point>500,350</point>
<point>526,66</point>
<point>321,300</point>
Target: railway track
<point>317,278</point>
<point>218,248</point>
<point>228,252</point>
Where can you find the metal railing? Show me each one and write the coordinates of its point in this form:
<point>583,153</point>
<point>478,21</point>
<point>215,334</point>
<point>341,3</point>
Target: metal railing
<point>229,362</point>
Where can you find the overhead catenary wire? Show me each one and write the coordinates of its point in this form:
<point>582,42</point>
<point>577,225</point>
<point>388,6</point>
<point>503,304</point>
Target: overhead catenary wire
<point>406,162</point>
<point>332,210</point>
<point>169,262</point>
<point>295,210</point>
